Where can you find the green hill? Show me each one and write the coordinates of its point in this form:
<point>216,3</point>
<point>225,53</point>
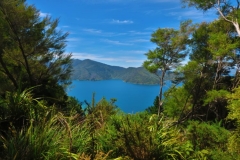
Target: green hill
<point>92,70</point>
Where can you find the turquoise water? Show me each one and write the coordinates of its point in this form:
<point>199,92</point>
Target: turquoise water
<point>131,98</point>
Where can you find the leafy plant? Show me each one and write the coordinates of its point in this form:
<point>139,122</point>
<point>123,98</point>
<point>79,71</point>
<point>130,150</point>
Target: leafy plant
<point>142,136</point>
<point>43,140</point>
<point>20,108</point>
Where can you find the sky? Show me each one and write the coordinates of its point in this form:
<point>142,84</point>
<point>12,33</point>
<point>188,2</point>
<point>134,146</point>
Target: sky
<point>116,32</point>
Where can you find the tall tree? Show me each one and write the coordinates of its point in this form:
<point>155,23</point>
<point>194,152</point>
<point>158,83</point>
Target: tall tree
<point>206,76</point>
<point>222,46</point>
<point>32,50</point>
<point>170,51</point>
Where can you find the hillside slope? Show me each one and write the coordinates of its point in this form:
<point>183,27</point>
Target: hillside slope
<point>92,70</point>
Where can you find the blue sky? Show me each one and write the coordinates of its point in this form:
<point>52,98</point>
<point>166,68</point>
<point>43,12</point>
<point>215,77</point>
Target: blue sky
<point>116,32</point>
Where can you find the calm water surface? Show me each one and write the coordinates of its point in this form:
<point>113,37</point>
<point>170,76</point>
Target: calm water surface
<point>131,98</point>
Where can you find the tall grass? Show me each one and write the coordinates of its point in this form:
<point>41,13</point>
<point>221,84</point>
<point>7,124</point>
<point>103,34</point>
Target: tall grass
<point>49,139</point>
<point>102,133</point>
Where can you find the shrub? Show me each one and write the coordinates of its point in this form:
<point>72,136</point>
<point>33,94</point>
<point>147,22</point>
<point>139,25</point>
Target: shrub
<point>142,136</point>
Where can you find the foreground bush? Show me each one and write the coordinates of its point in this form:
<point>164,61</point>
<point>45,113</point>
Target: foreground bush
<point>104,132</point>
<point>142,136</point>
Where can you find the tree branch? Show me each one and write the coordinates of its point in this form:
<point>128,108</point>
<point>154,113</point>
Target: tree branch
<point>7,72</point>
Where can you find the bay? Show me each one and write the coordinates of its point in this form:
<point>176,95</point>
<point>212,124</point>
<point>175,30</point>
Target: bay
<point>131,98</point>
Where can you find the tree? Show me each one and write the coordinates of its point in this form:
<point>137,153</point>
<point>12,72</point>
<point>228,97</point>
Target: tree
<point>222,44</point>
<point>227,11</point>
<point>206,76</point>
<point>171,50</point>
<point>32,51</point>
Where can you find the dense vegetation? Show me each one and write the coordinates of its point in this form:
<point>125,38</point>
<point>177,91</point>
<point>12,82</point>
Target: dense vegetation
<point>94,71</point>
<point>198,120</point>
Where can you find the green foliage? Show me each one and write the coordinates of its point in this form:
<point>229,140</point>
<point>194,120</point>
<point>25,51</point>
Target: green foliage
<point>98,114</point>
<point>215,96</point>
<point>204,135</point>
<point>220,44</point>
<point>199,44</point>
<point>206,78</point>
<point>107,133</point>
<point>171,45</point>
<point>143,136</point>
<point>200,4</point>
<point>80,135</point>
<point>33,65</point>
<point>234,143</point>
<point>19,108</point>
<point>211,138</point>
<point>234,105</point>
<point>234,114</point>
<point>38,141</point>
<point>176,103</point>
<point>154,109</point>
<point>74,106</point>
<point>32,52</point>
<point>225,9</point>
<point>170,51</point>
<point>169,139</point>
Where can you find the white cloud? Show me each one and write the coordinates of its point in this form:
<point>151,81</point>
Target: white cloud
<point>139,33</point>
<point>83,55</point>
<point>194,15</point>
<point>93,31</point>
<point>73,39</point>
<point>114,42</point>
<point>140,40</point>
<point>65,26</point>
<point>173,8</point>
<point>41,14</point>
<point>121,22</point>
<point>134,60</point>
<point>136,52</point>
<point>153,12</point>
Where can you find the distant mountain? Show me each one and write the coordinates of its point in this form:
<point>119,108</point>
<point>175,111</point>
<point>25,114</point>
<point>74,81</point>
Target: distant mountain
<point>92,70</point>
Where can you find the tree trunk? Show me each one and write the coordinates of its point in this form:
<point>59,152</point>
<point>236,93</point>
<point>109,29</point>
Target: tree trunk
<point>161,91</point>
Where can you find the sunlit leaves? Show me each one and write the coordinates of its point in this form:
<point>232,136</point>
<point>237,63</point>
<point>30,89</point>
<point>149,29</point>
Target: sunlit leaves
<point>171,47</point>
<point>234,114</point>
<point>215,96</point>
<point>234,105</point>
<point>221,45</point>
<point>200,4</point>
<point>177,102</point>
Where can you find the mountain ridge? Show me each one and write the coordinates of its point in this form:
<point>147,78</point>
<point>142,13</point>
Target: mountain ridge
<point>92,70</point>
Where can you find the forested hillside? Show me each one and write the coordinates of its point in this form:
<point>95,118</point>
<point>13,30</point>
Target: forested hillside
<point>92,70</point>
<point>197,120</point>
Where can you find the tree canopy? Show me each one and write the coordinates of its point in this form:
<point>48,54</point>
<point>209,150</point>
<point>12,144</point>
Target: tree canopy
<point>170,51</point>
<point>228,10</point>
<point>32,51</point>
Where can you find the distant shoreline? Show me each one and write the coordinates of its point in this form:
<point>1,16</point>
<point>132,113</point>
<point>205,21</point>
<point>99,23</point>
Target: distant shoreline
<point>155,84</point>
